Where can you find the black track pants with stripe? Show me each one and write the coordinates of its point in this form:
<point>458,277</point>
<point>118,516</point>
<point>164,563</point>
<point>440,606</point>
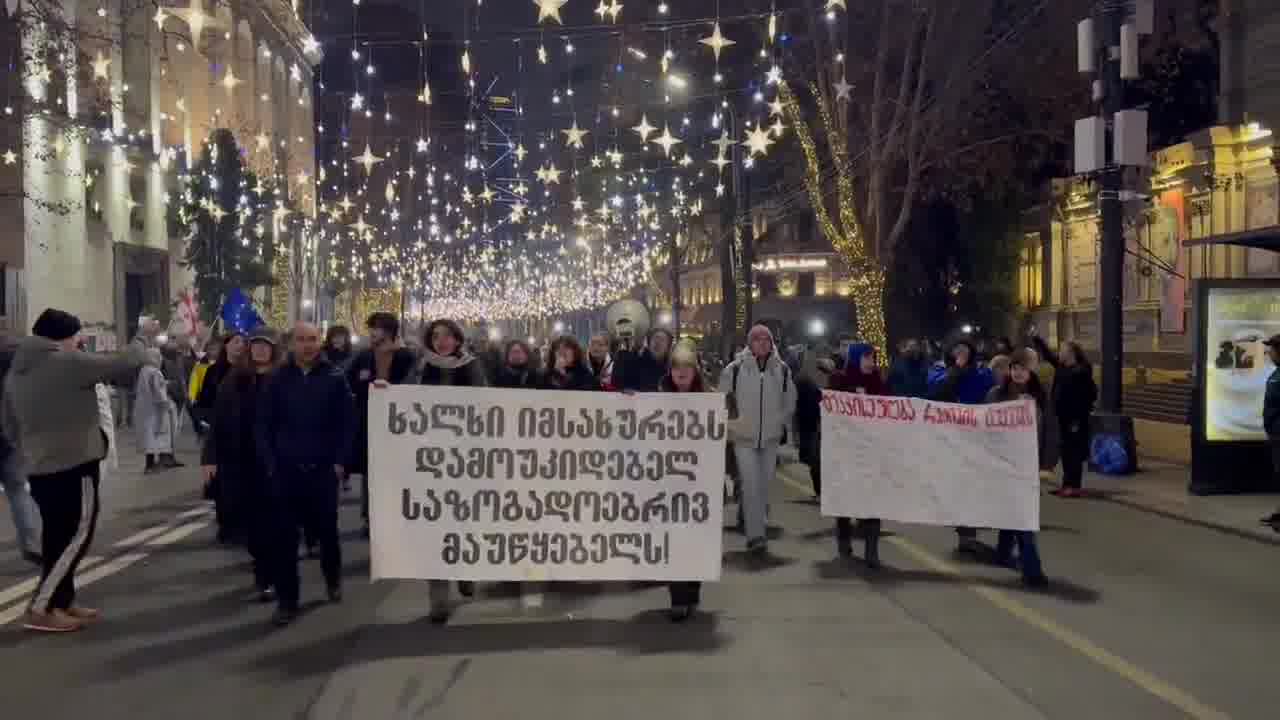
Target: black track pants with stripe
<point>68,503</point>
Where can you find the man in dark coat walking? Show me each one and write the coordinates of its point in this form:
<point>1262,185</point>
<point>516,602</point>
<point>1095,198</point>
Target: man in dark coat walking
<point>304,433</point>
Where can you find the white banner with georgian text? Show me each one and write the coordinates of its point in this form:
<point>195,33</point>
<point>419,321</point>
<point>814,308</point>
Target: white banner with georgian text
<point>526,485</point>
<point>918,461</point>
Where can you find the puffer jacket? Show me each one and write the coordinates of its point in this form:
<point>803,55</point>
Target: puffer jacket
<point>765,399</point>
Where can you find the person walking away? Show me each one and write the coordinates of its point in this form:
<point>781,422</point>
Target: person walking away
<point>1021,382</point>
<point>761,399</point>
<point>683,377</point>
<point>230,453</point>
<point>337,347</point>
<point>385,360</point>
<point>517,371</point>
<point>303,433</point>
<point>960,380</point>
<point>909,376</point>
<point>861,376</point>
<point>1271,418</point>
<point>569,369</point>
<point>154,415</point>
<point>601,360</point>
<point>51,415</point>
<point>814,375</point>
<point>1074,393</point>
<point>643,371</point>
<point>445,362</point>
<point>13,480</point>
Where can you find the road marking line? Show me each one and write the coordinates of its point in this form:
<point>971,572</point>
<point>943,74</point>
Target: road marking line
<point>1152,684</point>
<point>166,535</point>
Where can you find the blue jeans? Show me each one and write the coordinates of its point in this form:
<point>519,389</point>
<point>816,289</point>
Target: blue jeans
<point>1028,554</point>
<point>21,506</point>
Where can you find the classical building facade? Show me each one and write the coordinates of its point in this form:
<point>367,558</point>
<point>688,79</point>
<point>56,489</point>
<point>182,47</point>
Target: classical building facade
<point>110,102</point>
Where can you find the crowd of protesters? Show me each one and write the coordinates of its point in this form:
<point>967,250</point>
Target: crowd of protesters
<point>283,423</point>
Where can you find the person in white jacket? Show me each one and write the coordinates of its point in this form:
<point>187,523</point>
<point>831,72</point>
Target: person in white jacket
<point>155,415</point>
<point>761,394</point>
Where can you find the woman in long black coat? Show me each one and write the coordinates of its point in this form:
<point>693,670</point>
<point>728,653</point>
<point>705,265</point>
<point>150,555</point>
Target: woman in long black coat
<point>230,455</point>
<point>234,346</point>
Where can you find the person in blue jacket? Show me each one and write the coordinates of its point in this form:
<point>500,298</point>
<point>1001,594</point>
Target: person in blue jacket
<point>961,380</point>
<point>304,431</point>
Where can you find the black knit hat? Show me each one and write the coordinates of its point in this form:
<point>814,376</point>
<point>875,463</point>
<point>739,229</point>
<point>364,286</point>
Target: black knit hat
<point>56,325</point>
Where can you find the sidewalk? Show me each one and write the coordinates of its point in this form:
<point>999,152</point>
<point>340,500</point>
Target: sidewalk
<point>1161,488</point>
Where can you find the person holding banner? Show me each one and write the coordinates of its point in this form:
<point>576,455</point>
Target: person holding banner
<point>861,376</point>
<point>446,362</point>
<point>517,371</point>
<point>569,369</point>
<point>683,377</point>
<point>1021,383</point>
<point>761,395</point>
<point>383,361</point>
<point>961,380</point>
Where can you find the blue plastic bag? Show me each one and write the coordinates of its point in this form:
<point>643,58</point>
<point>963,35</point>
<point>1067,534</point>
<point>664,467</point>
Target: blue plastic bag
<point>1107,453</point>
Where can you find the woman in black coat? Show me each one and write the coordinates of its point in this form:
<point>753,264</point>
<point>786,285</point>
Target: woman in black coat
<point>230,455</point>
<point>446,362</point>
<point>232,353</point>
<point>1074,393</point>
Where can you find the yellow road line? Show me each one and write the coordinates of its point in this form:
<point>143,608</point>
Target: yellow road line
<point>1165,691</point>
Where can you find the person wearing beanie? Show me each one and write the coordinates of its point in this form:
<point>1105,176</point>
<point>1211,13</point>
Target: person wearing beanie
<point>230,455</point>
<point>50,412</point>
<point>761,395</point>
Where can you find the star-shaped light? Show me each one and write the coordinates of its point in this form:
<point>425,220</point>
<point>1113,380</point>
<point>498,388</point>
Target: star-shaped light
<point>520,153</point>
<point>603,10</point>
<point>542,54</point>
<point>550,9</point>
<point>346,204</point>
<point>719,189</point>
<point>774,76</point>
<point>425,97</point>
<point>217,212</point>
<point>487,195</point>
<point>577,201</point>
<point>777,127</point>
<point>367,159</point>
<point>466,62</point>
<point>717,41</point>
<point>357,101</point>
<point>644,129</point>
<point>100,64</point>
<point>550,175</point>
<point>467,197</point>
<point>615,157</point>
<point>596,161</point>
<point>776,107</point>
<point>666,140</point>
<point>615,10</point>
<point>758,141</point>
<point>197,20</point>
<point>843,89</point>
<point>229,80</point>
<point>517,212</point>
<point>422,144</point>
<point>720,162</point>
<point>724,143</point>
<point>574,135</point>
<point>9,157</point>
<point>360,226</point>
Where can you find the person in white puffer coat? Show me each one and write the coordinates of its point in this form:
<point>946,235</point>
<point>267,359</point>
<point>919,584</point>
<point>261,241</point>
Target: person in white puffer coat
<point>761,394</point>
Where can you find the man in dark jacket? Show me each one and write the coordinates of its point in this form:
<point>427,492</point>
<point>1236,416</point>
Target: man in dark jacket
<point>304,432</point>
<point>1271,418</point>
<point>387,361</point>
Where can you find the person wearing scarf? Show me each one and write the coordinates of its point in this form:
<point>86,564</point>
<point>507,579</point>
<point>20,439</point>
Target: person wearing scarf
<point>446,362</point>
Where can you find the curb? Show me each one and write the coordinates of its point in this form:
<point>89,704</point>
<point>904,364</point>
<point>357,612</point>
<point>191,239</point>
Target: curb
<point>1261,536</point>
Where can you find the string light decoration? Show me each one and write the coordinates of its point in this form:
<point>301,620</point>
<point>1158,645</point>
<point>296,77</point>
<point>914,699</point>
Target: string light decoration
<point>848,239</point>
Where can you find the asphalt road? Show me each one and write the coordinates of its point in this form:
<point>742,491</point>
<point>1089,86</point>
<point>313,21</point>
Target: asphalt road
<point>1146,618</point>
